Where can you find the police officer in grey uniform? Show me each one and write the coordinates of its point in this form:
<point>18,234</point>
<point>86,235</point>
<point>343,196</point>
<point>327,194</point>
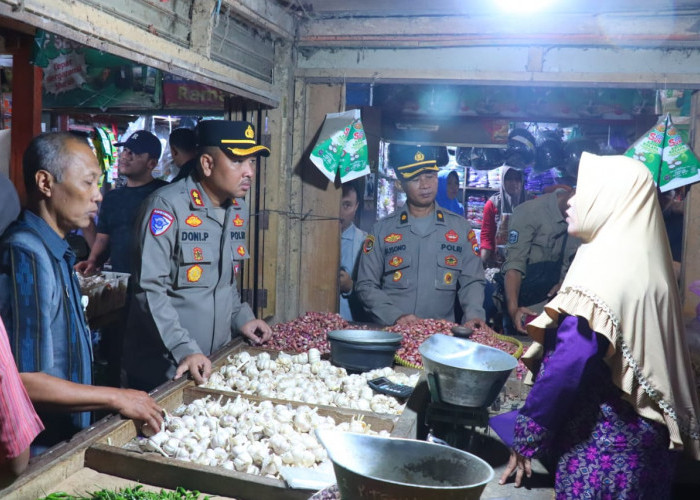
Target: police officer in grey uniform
<point>417,260</point>
<point>537,233</point>
<point>190,240</point>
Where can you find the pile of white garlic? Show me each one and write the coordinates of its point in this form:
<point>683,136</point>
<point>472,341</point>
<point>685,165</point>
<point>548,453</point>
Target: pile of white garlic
<point>307,378</point>
<point>256,438</point>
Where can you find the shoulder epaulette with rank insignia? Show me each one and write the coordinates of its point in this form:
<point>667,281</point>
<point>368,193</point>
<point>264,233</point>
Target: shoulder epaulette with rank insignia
<point>404,218</point>
<point>440,216</point>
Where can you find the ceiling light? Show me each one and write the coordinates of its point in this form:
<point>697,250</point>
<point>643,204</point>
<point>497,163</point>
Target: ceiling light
<point>520,6</point>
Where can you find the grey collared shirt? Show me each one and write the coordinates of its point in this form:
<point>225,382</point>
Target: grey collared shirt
<point>404,270</point>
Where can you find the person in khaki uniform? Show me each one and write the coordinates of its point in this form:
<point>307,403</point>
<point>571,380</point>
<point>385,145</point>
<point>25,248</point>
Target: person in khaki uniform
<point>191,239</point>
<point>416,261</point>
<point>537,233</point>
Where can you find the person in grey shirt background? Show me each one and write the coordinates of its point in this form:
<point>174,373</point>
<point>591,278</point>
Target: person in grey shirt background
<point>418,260</point>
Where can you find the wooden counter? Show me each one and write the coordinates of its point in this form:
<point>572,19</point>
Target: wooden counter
<point>94,458</point>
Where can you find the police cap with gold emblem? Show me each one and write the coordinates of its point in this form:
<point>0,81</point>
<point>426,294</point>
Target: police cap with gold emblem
<point>410,160</point>
<point>236,138</point>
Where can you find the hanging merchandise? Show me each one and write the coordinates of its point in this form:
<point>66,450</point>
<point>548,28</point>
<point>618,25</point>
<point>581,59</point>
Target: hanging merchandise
<point>462,156</point>
<point>669,159</point>
<point>103,139</point>
<point>520,152</point>
<point>550,151</point>
<point>341,149</point>
<point>572,153</point>
<point>486,158</point>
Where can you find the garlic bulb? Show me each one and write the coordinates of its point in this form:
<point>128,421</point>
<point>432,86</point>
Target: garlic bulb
<point>260,439</point>
<point>305,377</point>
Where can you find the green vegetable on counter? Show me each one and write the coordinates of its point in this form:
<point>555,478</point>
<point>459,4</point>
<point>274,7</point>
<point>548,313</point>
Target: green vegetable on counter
<point>135,493</point>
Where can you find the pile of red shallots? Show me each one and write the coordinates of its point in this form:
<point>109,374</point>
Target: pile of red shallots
<point>417,332</point>
<point>305,332</point>
<point>311,330</point>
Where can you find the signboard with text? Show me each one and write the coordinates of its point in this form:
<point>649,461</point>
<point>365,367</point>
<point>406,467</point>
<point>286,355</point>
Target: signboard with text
<point>76,76</point>
<point>179,93</point>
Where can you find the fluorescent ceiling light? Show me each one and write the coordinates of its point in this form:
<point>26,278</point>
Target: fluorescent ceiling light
<point>522,6</point>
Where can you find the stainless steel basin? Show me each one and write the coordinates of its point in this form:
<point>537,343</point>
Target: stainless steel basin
<point>465,373</point>
<point>372,467</point>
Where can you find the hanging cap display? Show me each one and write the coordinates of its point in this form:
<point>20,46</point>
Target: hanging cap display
<point>573,150</point>
<point>520,152</point>
<point>142,141</point>
<point>486,158</point>
<point>236,138</point>
<point>410,160</point>
<point>550,151</point>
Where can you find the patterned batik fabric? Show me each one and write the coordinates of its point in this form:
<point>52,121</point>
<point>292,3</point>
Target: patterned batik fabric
<point>605,449</point>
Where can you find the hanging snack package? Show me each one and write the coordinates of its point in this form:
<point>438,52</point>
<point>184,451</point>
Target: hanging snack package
<point>354,160</point>
<point>647,148</point>
<point>666,155</point>
<point>341,148</point>
<point>679,165</point>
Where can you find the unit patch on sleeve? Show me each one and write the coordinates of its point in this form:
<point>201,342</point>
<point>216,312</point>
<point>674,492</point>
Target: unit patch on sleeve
<point>397,275</point>
<point>393,238</point>
<point>193,221</point>
<point>513,236</point>
<point>160,221</point>
<point>196,198</point>
<point>238,221</point>
<point>194,273</point>
<point>368,245</point>
<point>471,236</point>
<point>395,261</point>
<point>452,236</point>
<point>448,278</point>
<point>240,250</point>
<point>451,261</point>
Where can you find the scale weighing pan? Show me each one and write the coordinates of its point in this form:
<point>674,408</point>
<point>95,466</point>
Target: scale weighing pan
<point>465,373</point>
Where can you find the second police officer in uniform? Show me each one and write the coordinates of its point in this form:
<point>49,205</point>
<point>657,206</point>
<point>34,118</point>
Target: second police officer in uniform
<point>417,260</point>
<point>190,240</point>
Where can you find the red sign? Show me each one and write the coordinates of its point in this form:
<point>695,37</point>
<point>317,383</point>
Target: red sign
<point>185,94</point>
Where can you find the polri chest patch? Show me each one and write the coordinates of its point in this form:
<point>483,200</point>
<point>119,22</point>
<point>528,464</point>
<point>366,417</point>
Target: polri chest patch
<point>452,236</point>
<point>513,237</point>
<point>395,261</point>
<point>193,221</point>
<point>194,273</point>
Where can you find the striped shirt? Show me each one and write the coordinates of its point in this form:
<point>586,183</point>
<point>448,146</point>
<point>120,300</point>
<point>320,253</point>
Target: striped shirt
<point>40,306</point>
<point>19,423</point>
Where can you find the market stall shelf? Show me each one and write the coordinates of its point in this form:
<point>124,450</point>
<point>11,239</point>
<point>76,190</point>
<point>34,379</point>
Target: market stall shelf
<point>99,451</point>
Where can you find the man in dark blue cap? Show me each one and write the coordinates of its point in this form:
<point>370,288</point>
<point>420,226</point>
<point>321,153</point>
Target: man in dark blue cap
<point>191,239</point>
<point>417,260</point>
<point>115,223</point>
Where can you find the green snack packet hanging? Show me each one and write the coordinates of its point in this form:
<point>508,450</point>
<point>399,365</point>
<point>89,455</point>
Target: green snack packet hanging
<point>666,155</point>
<point>341,148</point>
